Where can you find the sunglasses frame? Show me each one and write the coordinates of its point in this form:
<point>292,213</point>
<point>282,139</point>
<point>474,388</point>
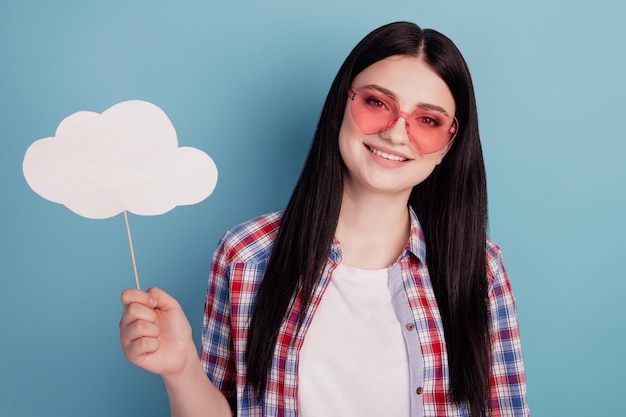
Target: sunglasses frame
<point>454,128</point>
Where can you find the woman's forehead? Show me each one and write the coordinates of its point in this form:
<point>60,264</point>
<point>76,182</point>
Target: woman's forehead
<point>409,79</point>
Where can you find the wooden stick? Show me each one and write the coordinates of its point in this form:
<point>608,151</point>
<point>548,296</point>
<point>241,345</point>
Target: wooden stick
<point>132,252</point>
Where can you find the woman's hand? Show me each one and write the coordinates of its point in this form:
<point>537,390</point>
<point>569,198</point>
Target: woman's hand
<point>156,336</point>
<point>155,333</point>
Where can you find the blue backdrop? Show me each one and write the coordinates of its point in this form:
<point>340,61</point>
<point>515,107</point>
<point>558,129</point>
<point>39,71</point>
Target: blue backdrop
<point>244,81</point>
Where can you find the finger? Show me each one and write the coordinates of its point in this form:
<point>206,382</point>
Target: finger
<point>138,329</point>
<point>137,311</point>
<point>133,295</point>
<point>137,350</point>
<point>163,301</point>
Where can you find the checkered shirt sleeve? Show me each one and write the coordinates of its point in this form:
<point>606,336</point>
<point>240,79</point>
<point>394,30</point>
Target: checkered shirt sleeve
<point>217,345</point>
<point>508,380</point>
<point>237,270</point>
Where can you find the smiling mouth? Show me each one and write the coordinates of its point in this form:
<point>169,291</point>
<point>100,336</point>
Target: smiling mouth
<point>386,155</point>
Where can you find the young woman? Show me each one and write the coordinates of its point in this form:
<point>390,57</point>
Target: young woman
<point>376,292</point>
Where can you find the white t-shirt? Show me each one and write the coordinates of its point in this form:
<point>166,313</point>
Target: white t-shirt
<point>354,360</point>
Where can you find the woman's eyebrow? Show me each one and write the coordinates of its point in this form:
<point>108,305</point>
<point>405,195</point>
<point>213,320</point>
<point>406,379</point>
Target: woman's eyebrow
<point>381,90</point>
<point>419,105</point>
<point>433,107</point>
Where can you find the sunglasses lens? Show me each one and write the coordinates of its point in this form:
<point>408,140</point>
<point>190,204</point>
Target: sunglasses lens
<point>430,130</point>
<point>373,112</point>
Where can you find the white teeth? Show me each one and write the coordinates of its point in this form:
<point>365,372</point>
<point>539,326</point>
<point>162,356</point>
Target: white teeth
<point>386,155</point>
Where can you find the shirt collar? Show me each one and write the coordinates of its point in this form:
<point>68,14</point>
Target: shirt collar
<point>416,244</point>
<point>335,251</point>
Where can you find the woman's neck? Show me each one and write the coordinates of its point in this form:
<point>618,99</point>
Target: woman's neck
<point>372,229</point>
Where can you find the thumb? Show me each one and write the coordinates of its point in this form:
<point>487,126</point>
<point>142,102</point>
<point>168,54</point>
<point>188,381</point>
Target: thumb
<point>162,300</point>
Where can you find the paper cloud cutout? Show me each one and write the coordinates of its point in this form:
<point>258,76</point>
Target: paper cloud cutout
<point>125,159</point>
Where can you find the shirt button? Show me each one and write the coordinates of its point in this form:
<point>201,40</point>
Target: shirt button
<point>410,326</point>
<point>419,391</point>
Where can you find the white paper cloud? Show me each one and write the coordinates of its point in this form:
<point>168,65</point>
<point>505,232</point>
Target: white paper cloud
<point>126,158</point>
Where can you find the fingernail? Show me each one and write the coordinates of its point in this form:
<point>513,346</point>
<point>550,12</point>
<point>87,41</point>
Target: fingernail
<point>153,301</point>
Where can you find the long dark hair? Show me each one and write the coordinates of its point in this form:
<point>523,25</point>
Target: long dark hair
<point>451,205</point>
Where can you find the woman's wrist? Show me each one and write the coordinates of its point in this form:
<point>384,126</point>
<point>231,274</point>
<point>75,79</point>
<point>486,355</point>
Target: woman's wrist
<point>190,367</point>
<point>191,393</point>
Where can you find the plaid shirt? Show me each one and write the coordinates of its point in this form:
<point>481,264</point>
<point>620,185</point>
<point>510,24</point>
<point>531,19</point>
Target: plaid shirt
<point>238,267</point>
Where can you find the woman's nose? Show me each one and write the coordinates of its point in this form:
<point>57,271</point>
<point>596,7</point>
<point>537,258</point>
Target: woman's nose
<point>397,131</point>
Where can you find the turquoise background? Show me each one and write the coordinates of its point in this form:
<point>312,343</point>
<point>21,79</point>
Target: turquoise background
<point>244,81</point>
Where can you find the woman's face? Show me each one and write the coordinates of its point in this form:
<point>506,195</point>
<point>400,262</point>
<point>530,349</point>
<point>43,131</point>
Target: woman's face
<point>387,162</point>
